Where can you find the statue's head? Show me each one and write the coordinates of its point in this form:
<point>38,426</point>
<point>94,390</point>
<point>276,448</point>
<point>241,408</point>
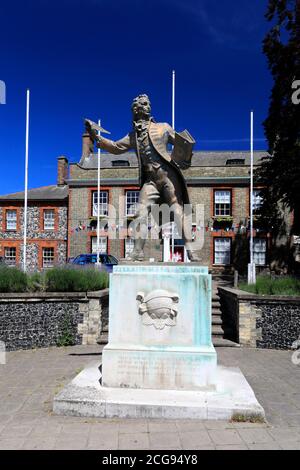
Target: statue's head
<point>141,107</point>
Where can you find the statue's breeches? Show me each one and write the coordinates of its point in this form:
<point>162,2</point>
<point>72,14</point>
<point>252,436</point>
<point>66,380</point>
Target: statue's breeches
<point>161,186</point>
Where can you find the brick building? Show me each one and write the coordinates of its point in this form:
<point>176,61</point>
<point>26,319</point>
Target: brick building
<point>218,180</point>
<point>62,219</point>
<point>46,225</point>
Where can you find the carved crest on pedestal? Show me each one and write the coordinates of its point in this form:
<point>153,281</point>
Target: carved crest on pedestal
<point>158,308</point>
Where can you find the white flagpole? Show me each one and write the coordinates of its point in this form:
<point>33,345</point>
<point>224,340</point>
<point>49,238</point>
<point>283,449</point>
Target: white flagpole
<point>251,267</point>
<point>173,99</point>
<point>98,199</point>
<point>173,125</point>
<point>26,179</point>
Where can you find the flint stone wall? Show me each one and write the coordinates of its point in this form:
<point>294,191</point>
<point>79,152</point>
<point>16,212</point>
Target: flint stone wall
<point>46,319</point>
<point>34,230</point>
<point>269,322</point>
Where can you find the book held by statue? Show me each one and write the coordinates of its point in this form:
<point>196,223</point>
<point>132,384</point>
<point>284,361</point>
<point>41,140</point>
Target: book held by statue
<point>183,149</point>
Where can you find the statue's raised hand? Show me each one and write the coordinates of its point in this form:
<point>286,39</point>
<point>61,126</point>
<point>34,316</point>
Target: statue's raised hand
<point>90,130</point>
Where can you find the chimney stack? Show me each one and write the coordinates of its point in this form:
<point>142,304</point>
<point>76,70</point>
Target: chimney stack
<point>87,145</point>
<point>62,170</point>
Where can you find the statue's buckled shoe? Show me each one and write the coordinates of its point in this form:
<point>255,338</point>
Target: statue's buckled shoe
<point>136,256</point>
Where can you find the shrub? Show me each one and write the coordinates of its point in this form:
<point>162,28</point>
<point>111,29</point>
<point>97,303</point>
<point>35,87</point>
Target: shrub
<point>75,280</point>
<point>265,285</point>
<point>12,280</point>
<point>36,282</point>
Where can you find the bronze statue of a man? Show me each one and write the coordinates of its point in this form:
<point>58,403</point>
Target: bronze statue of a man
<point>161,180</point>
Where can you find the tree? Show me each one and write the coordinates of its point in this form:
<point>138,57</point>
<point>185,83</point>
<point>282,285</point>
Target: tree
<point>280,175</point>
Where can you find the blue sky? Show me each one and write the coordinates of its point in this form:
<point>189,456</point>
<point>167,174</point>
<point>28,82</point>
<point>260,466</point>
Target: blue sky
<point>89,58</point>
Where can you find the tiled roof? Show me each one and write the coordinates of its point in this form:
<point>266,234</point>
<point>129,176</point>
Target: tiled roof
<point>54,193</point>
<point>200,159</point>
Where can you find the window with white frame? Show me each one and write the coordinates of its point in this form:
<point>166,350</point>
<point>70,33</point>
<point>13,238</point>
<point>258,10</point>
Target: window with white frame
<point>257,199</point>
<point>260,251</point>
<point>49,219</point>
<point>103,206</point>
<point>222,250</point>
<point>222,203</point>
<point>11,220</point>
<point>132,199</point>
<point>129,246</point>
<point>102,244</point>
<point>48,257</point>
<point>10,255</point>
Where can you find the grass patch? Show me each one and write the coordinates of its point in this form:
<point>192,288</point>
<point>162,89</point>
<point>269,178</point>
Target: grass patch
<point>265,285</point>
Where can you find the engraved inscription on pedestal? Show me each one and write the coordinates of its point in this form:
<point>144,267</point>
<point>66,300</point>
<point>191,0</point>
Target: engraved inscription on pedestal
<point>158,308</point>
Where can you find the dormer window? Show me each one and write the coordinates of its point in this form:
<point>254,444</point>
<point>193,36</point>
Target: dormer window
<point>120,163</point>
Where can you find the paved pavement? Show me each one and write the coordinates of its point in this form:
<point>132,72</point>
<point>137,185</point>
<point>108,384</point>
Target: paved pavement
<point>30,379</point>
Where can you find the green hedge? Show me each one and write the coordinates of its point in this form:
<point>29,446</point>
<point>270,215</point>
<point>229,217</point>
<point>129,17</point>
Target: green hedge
<point>265,285</point>
<point>65,279</point>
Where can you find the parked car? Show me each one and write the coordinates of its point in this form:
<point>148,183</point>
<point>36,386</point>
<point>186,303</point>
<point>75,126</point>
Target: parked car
<point>107,261</point>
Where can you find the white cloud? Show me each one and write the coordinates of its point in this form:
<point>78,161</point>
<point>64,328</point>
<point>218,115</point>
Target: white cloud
<point>239,25</point>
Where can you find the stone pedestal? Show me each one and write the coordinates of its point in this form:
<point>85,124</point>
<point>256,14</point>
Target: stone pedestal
<point>159,328</point>
<point>160,361</point>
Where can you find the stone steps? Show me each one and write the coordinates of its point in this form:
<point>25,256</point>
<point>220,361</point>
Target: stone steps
<point>216,320</point>
<point>216,311</point>
<point>217,330</point>
<point>217,324</point>
<point>220,342</point>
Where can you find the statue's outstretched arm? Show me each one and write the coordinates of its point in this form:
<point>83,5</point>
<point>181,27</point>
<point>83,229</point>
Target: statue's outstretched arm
<point>115,147</point>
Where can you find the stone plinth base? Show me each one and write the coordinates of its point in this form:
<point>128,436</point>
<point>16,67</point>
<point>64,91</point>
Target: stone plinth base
<point>170,368</point>
<point>84,396</point>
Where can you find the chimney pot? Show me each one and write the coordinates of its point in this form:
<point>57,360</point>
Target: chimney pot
<point>62,170</point>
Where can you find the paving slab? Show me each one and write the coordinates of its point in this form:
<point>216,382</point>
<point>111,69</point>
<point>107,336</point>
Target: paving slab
<point>11,443</point>
<point>285,434</point>
<point>271,374</point>
<point>139,441</point>
<point>162,440</point>
<point>288,445</point>
<point>194,439</point>
<point>225,437</point>
<point>233,447</point>
<point>265,446</point>
<point>255,436</point>
<point>39,443</point>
